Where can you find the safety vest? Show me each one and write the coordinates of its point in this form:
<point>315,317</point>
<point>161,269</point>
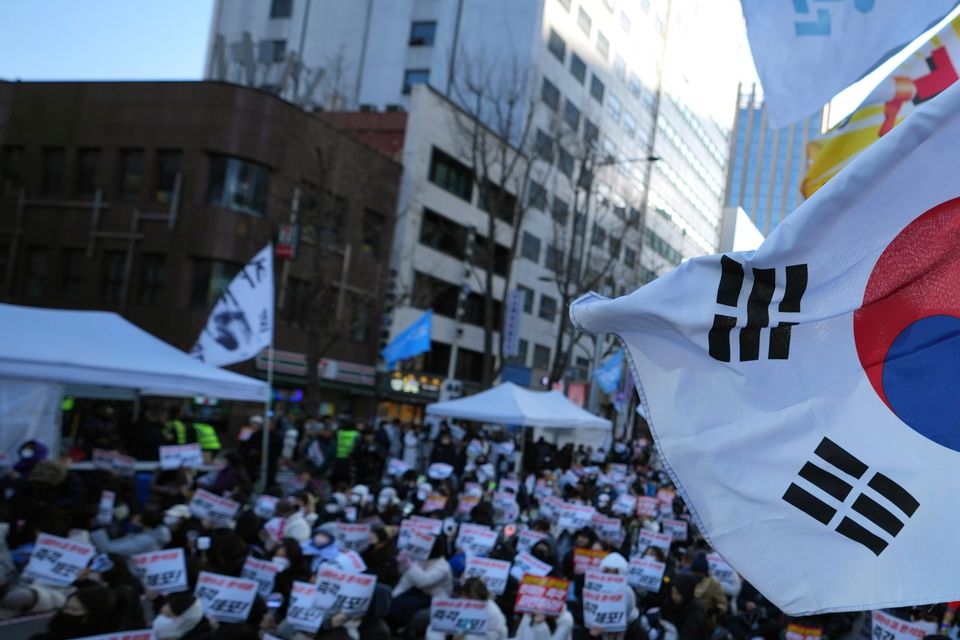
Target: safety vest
<point>178,429</point>
<point>345,441</point>
<point>207,436</point>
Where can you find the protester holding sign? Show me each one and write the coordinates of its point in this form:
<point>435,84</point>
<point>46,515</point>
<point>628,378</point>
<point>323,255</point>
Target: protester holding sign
<point>421,581</point>
<point>486,622</point>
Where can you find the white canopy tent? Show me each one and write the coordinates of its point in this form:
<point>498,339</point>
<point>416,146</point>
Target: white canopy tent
<point>101,349</point>
<point>508,403</point>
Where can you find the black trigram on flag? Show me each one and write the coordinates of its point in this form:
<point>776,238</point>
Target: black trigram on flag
<point>836,485</point>
<point>758,311</point>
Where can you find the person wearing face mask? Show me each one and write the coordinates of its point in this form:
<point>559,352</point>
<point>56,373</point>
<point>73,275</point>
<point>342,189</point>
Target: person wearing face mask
<point>496,627</point>
<point>89,610</point>
<point>381,557</point>
<point>181,618</point>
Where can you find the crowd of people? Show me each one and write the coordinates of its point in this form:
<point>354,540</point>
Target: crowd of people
<point>374,532</point>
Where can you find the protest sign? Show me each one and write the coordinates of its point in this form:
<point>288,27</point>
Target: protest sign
<point>342,591</point>
<point>550,508</point>
<point>493,572</point>
<point>625,504</point>
<point>609,529</point>
<point>162,571</point>
<point>209,506</point>
<point>512,486</point>
<point>528,538</point>
<point>113,462</point>
<point>353,537</point>
<point>574,516</point>
<point>724,573</point>
<point>505,507</point>
<point>524,564</point>
<point>265,506</point>
<point>887,627</point>
<point>665,500</point>
<point>599,582</point>
<point>397,467</point>
<point>263,572</point>
<point>647,507</point>
<point>606,611</point>
<point>676,528</point>
<point>58,560</point>
<point>434,502</point>
<point>542,595</point>
<point>458,616</point>
<point>586,559</point>
<point>647,539</point>
<point>105,510</point>
<point>225,598</point>
<point>430,525</point>
<point>646,574</point>
<point>350,561</point>
<point>466,503</point>
<point>415,540</point>
<point>139,634</point>
<point>476,539</point>
<point>304,614</point>
<point>796,631</point>
<point>176,456</point>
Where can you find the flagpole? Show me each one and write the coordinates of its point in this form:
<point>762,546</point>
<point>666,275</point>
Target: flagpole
<point>265,431</point>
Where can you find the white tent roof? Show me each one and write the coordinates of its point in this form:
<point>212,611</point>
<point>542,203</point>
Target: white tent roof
<point>102,349</point>
<point>508,403</point>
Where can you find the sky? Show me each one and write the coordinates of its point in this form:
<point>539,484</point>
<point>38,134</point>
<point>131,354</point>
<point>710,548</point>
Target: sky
<point>104,39</point>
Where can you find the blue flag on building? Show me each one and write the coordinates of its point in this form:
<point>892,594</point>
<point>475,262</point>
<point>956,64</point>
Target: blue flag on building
<point>607,374</point>
<point>410,342</point>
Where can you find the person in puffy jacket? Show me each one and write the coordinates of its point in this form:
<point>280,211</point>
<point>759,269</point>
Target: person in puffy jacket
<point>155,535</point>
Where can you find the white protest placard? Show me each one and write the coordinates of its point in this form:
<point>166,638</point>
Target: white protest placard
<point>550,508</point>
<point>139,634</point>
<point>524,563</point>
<point>434,502</point>
<point>265,506</point>
<point>676,528</point>
<point>505,507</point>
<point>352,536</point>
<point>609,529</point>
<point>618,471</point>
<point>304,614</point>
<point>430,525</point>
<point>415,543</point>
<point>263,572</point>
<point>647,539</point>
<point>512,486</point>
<point>350,561</point>
<point>574,516</point>
<point>665,499</point>
<point>105,509</point>
<point>209,506</point>
<point>724,573</point>
<point>397,467</point>
<point>625,504</point>
<point>888,627</point>
<point>527,538</point>
<point>494,573</point>
<point>225,598</point>
<point>476,539</point>
<point>647,506</point>
<point>646,574</point>
<point>347,592</point>
<point>162,571</point>
<point>542,595</point>
<point>176,456</point>
<point>465,503</point>
<point>58,560</point>
<point>113,462</point>
<point>458,616</point>
<point>606,611</point>
<point>315,454</point>
<point>542,490</point>
<point>599,582</point>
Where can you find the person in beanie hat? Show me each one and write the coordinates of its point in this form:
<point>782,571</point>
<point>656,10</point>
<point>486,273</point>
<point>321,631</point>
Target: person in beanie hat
<point>708,591</point>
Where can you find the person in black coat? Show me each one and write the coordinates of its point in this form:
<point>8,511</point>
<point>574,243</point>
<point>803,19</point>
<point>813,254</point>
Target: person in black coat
<point>381,557</point>
<point>683,611</point>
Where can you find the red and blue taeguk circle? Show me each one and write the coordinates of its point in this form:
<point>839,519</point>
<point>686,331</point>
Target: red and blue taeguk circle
<point>908,330</point>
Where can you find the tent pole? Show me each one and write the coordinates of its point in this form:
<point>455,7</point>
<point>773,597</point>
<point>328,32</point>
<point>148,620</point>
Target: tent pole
<point>265,431</point>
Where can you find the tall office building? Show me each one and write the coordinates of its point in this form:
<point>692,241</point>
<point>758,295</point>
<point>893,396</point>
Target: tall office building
<point>767,165</point>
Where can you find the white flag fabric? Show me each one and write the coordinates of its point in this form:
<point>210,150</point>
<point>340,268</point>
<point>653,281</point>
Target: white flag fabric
<point>807,51</point>
<point>241,323</point>
<point>804,395</point>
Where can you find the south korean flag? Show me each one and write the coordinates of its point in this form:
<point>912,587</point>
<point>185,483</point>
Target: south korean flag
<point>804,396</point>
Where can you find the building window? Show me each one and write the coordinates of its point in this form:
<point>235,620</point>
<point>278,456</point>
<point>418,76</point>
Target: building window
<point>422,34</point>
<point>557,46</point>
<point>168,166</point>
<point>596,88</point>
<point>541,357</point>
<point>613,107</point>
<point>624,21</point>
<point>443,234</point>
<point>412,77</point>
<point>131,173</point>
<point>527,298</point>
<point>210,279</point>
<point>281,8</point>
<point>565,4</point>
<point>620,67</point>
<point>599,236</point>
<point>548,308</point>
<point>564,161</point>
<point>11,166</point>
<point>372,231</point>
<point>85,174</point>
<point>571,115</point>
<point>615,245</point>
<point>38,265</point>
<point>662,247</point>
<point>530,247</point>
<point>629,124</point>
<point>584,21</point>
<point>581,368</point>
<point>150,278</point>
<point>502,201</point>
<point>271,51</point>
<point>51,179</point>
<point>469,365</point>
<point>238,185</point>
<point>71,273</point>
<point>554,259</point>
<point>629,257</point>
<point>536,196</point>
<point>603,45</point>
<point>560,211</point>
<point>590,132</point>
<point>633,84</point>
<point>111,276</point>
<point>521,357</point>
<point>360,328</point>
<point>543,145</point>
<point>578,68</point>
<point>550,95</point>
<point>451,175</point>
<point>296,302</point>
